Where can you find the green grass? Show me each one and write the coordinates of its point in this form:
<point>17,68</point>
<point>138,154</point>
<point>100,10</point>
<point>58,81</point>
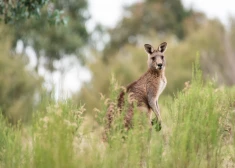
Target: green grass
<point>198,131</point>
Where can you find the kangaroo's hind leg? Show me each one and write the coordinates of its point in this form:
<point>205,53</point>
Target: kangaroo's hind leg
<point>129,116</point>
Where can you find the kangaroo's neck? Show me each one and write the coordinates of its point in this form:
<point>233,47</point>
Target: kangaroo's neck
<point>156,72</point>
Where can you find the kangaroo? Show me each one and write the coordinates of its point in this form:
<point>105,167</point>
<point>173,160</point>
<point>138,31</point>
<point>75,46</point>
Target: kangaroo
<point>146,90</point>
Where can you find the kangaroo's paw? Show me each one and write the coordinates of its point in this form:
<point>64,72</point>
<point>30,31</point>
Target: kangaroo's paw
<point>156,124</point>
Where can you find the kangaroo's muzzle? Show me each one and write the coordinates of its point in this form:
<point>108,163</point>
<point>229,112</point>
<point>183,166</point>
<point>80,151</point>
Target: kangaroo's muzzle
<point>159,66</point>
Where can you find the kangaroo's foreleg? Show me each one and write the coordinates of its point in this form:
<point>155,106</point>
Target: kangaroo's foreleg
<point>153,105</point>
<point>158,111</point>
<point>155,108</point>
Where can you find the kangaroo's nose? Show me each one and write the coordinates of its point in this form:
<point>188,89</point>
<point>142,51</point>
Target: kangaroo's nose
<point>159,65</point>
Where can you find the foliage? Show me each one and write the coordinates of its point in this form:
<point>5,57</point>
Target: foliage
<point>12,11</point>
<point>54,42</point>
<point>143,18</point>
<point>216,53</point>
<point>18,86</point>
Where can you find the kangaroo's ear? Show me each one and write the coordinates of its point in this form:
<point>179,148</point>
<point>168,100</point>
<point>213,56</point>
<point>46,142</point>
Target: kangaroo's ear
<point>148,48</point>
<point>162,47</point>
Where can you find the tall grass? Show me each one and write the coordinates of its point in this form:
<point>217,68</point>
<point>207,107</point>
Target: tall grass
<point>10,146</point>
<point>197,131</point>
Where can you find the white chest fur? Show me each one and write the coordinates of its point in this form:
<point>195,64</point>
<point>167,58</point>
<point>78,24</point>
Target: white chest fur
<point>161,87</point>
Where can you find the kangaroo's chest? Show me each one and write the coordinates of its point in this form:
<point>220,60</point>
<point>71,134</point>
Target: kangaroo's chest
<point>161,86</point>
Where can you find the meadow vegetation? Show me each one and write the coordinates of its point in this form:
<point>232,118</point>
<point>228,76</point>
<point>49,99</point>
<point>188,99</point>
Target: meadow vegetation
<point>198,131</point>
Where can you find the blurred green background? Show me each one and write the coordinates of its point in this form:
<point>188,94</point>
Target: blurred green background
<point>60,48</point>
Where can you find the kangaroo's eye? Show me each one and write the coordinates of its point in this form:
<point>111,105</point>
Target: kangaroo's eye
<point>153,58</point>
<point>162,57</point>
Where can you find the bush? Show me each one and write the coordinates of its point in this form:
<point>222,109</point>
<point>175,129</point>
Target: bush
<point>18,86</point>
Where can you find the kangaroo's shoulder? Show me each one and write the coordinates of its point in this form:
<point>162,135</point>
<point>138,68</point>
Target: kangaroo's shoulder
<point>137,83</point>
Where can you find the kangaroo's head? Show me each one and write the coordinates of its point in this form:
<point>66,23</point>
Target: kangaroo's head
<point>156,58</point>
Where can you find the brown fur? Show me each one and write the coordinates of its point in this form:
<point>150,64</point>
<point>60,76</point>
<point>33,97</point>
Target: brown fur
<point>146,90</point>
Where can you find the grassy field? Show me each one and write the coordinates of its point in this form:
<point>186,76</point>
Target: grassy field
<point>198,131</point>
